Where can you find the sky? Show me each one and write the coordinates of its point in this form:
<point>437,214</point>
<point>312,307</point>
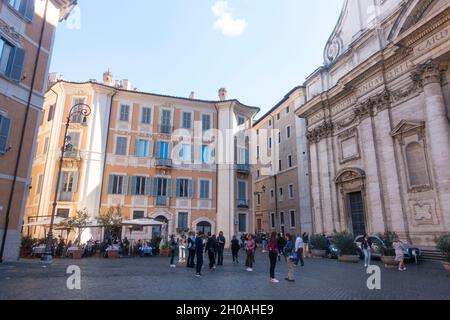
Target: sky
<point>257,49</point>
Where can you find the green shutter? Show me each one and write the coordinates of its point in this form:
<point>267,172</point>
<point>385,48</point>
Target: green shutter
<point>125,185</point>
<point>191,188</point>
<point>110,184</point>
<point>15,70</point>
<point>5,124</point>
<point>155,186</point>
<point>178,188</point>
<point>28,11</point>
<point>147,186</point>
<point>75,182</point>
<point>133,185</point>
<point>169,187</point>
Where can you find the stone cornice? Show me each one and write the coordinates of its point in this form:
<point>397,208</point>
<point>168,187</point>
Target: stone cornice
<point>10,32</point>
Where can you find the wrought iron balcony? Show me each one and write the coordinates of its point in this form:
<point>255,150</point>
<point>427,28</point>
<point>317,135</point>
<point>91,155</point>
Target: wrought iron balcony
<point>243,168</point>
<point>162,201</point>
<point>165,129</point>
<point>73,155</point>
<point>243,203</point>
<point>163,163</point>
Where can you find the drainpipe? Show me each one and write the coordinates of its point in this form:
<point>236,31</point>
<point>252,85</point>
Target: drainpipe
<point>275,177</point>
<point>22,134</point>
<point>217,164</point>
<point>106,151</point>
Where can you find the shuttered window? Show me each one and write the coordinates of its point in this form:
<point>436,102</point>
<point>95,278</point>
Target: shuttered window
<point>5,124</point>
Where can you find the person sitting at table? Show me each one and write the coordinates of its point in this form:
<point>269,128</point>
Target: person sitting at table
<point>60,247</point>
<point>125,246</point>
<point>67,252</point>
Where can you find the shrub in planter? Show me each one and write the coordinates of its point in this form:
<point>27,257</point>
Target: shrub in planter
<point>346,246</point>
<point>443,245</point>
<point>165,250</point>
<point>388,250</point>
<point>318,244</point>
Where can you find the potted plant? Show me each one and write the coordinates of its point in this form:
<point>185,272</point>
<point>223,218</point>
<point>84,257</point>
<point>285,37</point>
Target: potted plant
<point>165,250</point>
<point>346,246</point>
<point>388,250</point>
<point>111,221</point>
<point>319,245</point>
<point>79,222</point>
<point>443,245</point>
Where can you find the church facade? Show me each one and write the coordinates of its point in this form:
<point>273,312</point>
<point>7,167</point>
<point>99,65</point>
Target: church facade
<point>377,115</point>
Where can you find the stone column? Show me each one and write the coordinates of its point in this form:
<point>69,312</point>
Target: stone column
<point>438,132</point>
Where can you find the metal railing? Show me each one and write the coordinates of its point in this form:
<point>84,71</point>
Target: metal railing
<point>167,163</point>
<point>162,201</point>
<point>163,128</point>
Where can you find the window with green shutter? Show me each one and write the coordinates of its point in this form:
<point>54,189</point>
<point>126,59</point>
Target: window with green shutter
<point>5,124</point>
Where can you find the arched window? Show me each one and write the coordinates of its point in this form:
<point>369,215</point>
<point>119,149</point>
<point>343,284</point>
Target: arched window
<point>417,167</point>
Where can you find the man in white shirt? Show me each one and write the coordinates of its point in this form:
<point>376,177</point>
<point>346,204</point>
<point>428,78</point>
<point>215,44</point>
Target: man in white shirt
<point>299,250</point>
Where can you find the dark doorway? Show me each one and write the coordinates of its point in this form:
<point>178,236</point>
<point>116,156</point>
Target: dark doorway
<point>357,213</point>
<point>204,226</point>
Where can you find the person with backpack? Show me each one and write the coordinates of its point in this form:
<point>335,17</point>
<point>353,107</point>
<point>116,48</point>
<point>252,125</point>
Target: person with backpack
<point>199,246</point>
<point>273,253</point>
<point>210,248</point>
<point>235,247</point>
<point>191,252</point>
<point>173,248</point>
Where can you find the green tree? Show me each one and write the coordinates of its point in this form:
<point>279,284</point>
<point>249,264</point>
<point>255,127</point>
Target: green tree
<point>79,222</point>
<point>111,220</point>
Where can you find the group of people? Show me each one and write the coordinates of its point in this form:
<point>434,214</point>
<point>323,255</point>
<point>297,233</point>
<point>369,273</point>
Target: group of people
<point>294,250</point>
<point>366,247</point>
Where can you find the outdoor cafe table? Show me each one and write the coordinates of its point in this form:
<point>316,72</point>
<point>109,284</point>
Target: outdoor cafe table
<point>146,250</point>
<point>38,250</point>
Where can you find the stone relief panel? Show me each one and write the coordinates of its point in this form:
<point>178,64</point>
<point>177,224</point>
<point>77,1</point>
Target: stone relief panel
<point>349,146</point>
<point>423,212</point>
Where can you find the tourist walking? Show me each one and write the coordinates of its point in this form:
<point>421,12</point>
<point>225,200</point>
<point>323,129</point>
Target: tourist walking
<point>250,251</point>
<point>173,248</point>
<point>264,243</point>
<point>399,255</point>
<point>291,255</point>
<point>273,253</point>
<point>281,243</point>
<point>191,252</point>
<point>299,251</point>
<point>211,250</point>
<point>220,248</point>
<point>305,238</point>
<point>199,253</point>
<point>235,247</point>
<point>366,247</point>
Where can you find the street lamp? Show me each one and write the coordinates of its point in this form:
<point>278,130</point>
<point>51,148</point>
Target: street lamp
<point>83,110</point>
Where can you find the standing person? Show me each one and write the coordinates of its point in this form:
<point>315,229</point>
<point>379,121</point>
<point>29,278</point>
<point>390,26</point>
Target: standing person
<point>191,252</point>
<point>199,253</point>
<point>305,238</point>
<point>273,253</point>
<point>221,247</point>
<point>289,250</point>
<point>210,248</point>
<point>235,246</point>
<point>366,246</point>
<point>281,242</point>
<point>250,251</point>
<point>182,249</point>
<point>173,248</point>
<point>299,250</point>
<point>264,243</point>
<point>399,255</point>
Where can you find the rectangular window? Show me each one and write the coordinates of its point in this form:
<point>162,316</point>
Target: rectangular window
<point>39,184</point>
<point>287,109</point>
<point>206,122</point>
<point>186,122</point>
<point>292,214</point>
<point>163,150</point>
<point>183,220</point>
<point>204,189</point>
<point>24,7</point>
<point>184,152</point>
<point>124,113</point>
<point>146,116</point>
<point>78,105</point>
<point>138,214</point>
<point>242,193</point>
<point>257,152</point>
<point>184,188</point>
<point>63,213</point>
<point>278,116</point>
<point>241,121</point>
<point>12,60</point>
<point>279,165</point>
<point>270,123</point>
<point>242,156</point>
<point>242,222</point>
<point>117,184</point>
<point>121,146</point>
<point>269,143</point>
<point>281,192</point>
<point>74,137</point>
<point>142,148</point>
<point>282,218</point>
<point>162,187</point>
<point>288,132</point>
<point>279,137</point>
<point>272,220</point>
<point>258,173</point>
<point>140,186</point>
<point>166,121</point>
<point>291,191</point>
<point>290,161</point>
<point>68,185</point>
<point>51,112</point>
<point>45,147</point>
<point>272,194</point>
<point>258,199</point>
<point>205,154</point>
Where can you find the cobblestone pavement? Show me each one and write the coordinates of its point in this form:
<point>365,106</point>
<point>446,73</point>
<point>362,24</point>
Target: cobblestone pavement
<point>151,278</point>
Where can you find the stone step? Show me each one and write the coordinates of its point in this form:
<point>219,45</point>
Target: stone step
<point>432,255</point>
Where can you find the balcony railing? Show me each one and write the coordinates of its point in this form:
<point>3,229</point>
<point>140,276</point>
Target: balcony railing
<point>66,196</point>
<point>242,203</point>
<point>164,163</point>
<point>163,128</point>
<point>72,155</point>
<point>162,201</point>
<point>243,168</point>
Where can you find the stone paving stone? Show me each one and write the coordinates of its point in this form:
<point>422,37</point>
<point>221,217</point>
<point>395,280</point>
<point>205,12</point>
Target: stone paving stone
<point>151,278</point>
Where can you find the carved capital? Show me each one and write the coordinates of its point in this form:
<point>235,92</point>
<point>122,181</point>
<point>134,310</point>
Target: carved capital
<point>429,72</point>
<point>322,131</point>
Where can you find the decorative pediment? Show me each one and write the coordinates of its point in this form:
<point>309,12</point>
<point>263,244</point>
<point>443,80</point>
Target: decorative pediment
<point>406,127</point>
<point>350,174</point>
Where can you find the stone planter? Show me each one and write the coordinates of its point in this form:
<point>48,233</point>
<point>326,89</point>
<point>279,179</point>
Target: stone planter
<point>113,254</point>
<point>77,254</point>
<point>318,253</point>
<point>348,258</point>
<point>164,253</point>
<point>389,262</point>
<point>446,266</point>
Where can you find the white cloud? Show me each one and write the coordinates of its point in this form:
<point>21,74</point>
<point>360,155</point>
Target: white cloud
<point>225,21</point>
